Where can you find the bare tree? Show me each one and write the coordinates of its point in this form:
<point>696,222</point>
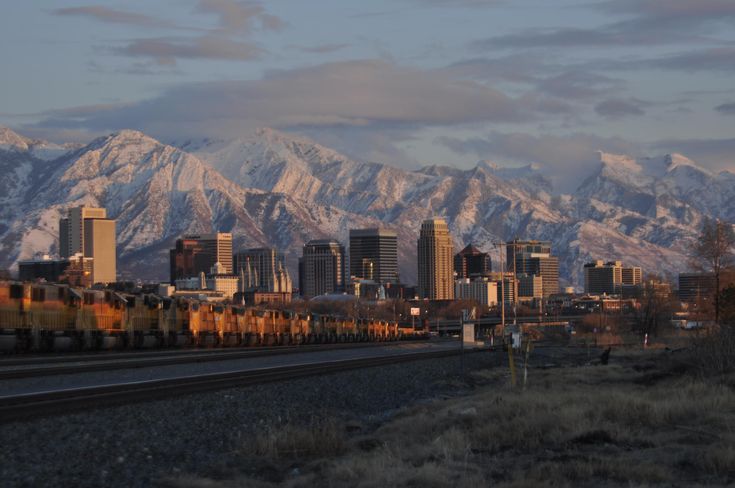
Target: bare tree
<point>713,252</point>
<point>656,306</point>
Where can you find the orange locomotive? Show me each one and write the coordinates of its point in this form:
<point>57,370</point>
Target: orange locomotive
<point>40,316</point>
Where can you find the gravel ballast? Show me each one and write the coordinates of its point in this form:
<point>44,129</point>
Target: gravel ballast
<point>80,380</point>
<point>205,434</point>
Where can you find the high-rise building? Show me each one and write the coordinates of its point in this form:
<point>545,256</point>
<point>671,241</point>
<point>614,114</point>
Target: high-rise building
<point>602,277</point>
<point>696,287</point>
<point>470,261</point>
<point>99,244</point>
<point>197,253</point>
<point>530,286</point>
<point>534,258</point>
<point>507,286</point>
<point>374,255</point>
<point>263,269</point>
<point>88,232</point>
<point>435,263</point>
<point>188,259</point>
<point>482,290</point>
<point>71,229</point>
<point>632,275</point>
<point>322,268</point>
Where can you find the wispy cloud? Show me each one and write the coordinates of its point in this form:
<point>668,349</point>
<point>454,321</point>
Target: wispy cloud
<point>369,94</point>
<point>228,40</point>
<point>726,108</point>
<point>166,51</point>
<point>566,159</point>
<point>112,16</point>
<point>321,48</point>
<point>240,17</point>
<point>646,22</point>
<point>616,108</point>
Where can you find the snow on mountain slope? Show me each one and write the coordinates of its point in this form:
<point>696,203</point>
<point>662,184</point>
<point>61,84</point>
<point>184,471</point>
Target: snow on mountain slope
<point>271,188</point>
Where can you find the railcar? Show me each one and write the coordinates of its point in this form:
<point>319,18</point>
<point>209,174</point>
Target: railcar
<point>41,316</point>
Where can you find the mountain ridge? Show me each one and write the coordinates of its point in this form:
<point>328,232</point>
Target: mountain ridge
<point>270,188</point>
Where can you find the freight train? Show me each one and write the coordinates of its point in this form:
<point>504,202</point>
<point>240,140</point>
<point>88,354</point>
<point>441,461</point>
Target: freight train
<point>54,317</point>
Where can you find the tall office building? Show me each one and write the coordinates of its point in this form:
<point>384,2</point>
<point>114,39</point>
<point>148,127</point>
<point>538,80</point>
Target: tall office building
<point>322,268</point>
<point>470,261</point>
<point>71,229</point>
<point>88,232</point>
<point>696,287</point>
<point>198,253</point>
<point>482,290</point>
<point>99,244</point>
<point>263,269</point>
<point>632,275</point>
<point>187,259</point>
<point>435,263</point>
<point>374,255</point>
<point>601,277</point>
<point>534,258</point>
<point>530,286</point>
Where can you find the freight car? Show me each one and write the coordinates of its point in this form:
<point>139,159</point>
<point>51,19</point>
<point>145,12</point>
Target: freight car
<point>45,317</point>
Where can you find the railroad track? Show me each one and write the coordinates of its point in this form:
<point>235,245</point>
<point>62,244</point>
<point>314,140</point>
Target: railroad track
<point>59,402</point>
<point>35,367</point>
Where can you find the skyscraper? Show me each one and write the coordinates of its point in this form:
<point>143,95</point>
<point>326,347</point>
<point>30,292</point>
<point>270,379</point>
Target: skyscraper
<point>71,229</point>
<point>534,258</point>
<point>602,277</point>
<point>322,268</point>
<point>632,275</point>
<point>88,232</point>
<point>435,264</point>
<point>188,259</point>
<point>374,255</point>
<point>197,253</point>
<point>99,244</point>
<point>470,261</point>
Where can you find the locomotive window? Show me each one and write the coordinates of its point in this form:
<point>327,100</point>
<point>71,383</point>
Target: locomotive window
<point>89,299</point>
<point>38,294</point>
<point>16,291</point>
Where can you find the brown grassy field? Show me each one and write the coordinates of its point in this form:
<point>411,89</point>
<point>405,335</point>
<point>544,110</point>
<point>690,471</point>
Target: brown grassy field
<point>643,420</point>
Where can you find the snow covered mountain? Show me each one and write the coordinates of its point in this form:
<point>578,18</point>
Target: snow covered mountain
<point>275,189</point>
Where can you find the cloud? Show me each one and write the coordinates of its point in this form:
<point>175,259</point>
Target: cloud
<point>647,22</point>
<point>239,18</point>
<point>717,154</point>
<point>615,108</point>
<point>320,48</point>
<point>726,108</point>
<point>685,10</point>
<point>228,41</point>
<point>714,59</point>
<point>461,3</point>
<point>540,72</point>
<point>575,84</point>
<point>105,14</point>
<point>566,159</point>
<point>165,51</point>
<point>370,93</point>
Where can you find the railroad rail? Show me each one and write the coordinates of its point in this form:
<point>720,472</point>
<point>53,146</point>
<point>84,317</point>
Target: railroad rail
<point>57,402</point>
<point>94,363</point>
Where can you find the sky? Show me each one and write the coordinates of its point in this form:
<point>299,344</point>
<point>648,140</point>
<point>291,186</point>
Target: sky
<point>402,82</point>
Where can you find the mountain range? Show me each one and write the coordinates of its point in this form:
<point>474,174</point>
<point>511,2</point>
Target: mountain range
<point>275,189</point>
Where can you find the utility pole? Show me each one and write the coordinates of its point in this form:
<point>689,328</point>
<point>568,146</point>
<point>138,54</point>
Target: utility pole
<point>515,289</point>
<point>502,288</point>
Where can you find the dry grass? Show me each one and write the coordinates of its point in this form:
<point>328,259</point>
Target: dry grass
<point>296,443</point>
<point>577,426</point>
